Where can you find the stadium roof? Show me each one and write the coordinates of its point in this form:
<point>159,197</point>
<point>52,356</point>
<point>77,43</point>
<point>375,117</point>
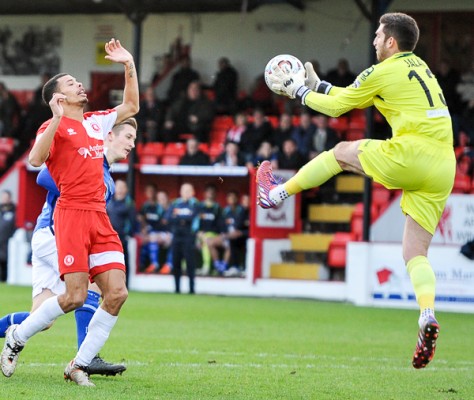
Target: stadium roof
<point>31,7</point>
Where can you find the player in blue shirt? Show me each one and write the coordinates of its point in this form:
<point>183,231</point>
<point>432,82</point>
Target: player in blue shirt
<point>183,220</point>
<point>45,271</point>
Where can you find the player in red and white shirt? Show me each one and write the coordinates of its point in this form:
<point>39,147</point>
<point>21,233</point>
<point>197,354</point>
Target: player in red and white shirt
<point>72,145</point>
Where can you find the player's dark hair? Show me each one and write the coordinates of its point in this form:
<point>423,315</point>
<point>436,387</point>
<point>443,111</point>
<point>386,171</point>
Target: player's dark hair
<point>51,87</point>
<point>402,28</point>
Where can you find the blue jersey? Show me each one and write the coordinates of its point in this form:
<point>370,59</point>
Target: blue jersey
<point>44,179</point>
<point>183,217</point>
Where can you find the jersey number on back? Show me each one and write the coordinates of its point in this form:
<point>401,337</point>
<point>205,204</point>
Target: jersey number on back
<point>414,74</point>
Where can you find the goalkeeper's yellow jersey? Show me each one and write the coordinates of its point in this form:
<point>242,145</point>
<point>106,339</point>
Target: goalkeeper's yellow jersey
<point>403,89</point>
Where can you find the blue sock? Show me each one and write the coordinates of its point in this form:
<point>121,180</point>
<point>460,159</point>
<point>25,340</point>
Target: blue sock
<point>10,319</point>
<point>153,251</point>
<point>84,315</point>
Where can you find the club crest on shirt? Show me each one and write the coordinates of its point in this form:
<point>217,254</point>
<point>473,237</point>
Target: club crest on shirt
<point>71,131</point>
<point>68,260</point>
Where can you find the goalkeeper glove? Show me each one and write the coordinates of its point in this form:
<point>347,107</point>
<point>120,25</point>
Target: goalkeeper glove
<point>290,85</point>
<point>313,82</point>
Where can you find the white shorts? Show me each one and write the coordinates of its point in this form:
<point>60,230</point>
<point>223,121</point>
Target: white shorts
<point>45,269</point>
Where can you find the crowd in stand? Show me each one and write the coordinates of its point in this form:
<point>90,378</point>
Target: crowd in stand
<point>264,126</point>
<point>207,237</point>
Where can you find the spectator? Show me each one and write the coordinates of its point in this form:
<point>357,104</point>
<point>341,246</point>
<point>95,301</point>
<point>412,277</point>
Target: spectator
<point>38,112</point>
<point>225,87</point>
<point>209,217</point>
<point>264,152</point>
<point>235,132</point>
<point>232,238</point>
<point>183,219</point>
<point>151,227</point>
<point>464,165</point>
<point>290,157</point>
<point>7,228</point>
<point>231,157</point>
<point>466,85</point>
<point>10,112</point>
<point>192,113</point>
<point>448,79</point>
<point>464,145</point>
<point>163,199</point>
<point>181,79</point>
<point>324,137</point>
<point>193,155</point>
<point>122,214</point>
<point>303,133</point>
<point>149,118</point>
<point>341,75</point>
<point>257,131</point>
<point>283,131</point>
<point>466,90</point>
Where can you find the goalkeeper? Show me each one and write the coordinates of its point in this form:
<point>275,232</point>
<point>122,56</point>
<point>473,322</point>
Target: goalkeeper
<point>419,158</point>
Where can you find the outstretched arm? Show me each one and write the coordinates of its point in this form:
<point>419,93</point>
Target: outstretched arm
<point>130,103</point>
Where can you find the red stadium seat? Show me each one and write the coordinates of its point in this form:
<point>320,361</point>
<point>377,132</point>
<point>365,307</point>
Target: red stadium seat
<point>7,145</point>
<point>355,134</point>
<point>273,119</point>
<point>3,160</point>
<point>148,159</point>
<point>380,197</point>
<point>358,123</point>
<point>174,149</point>
<point>462,184</point>
<point>170,159</point>
<point>222,122</point>
<point>337,249</point>
<point>215,149</point>
<point>218,136</point>
<point>340,125</point>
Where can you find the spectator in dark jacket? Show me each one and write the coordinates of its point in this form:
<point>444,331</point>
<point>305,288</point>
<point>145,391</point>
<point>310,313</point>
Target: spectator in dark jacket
<point>231,157</point>
<point>225,87</point>
<point>290,157</point>
<point>258,131</point>
<point>7,228</point>
<point>193,155</point>
<point>324,138</point>
<point>181,80</point>
<point>191,113</point>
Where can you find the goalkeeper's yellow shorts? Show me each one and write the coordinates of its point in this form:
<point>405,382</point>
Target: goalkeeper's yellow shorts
<point>423,168</point>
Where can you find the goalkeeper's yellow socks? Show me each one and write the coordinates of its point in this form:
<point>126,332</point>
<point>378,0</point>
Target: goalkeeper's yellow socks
<point>424,281</point>
<point>316,172</point>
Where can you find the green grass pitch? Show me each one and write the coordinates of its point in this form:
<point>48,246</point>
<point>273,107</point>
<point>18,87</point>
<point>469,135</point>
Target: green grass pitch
<point>207,347</point>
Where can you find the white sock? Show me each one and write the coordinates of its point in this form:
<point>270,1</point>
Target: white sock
<point>39,320</point>
<point>278,194</point>
<point>424,314</point>
<point>97,334</point>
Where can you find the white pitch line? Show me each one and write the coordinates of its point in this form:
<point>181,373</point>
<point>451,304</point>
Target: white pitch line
<point>293,367</point>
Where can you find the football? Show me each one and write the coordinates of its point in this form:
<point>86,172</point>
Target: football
<point>287,63</point>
